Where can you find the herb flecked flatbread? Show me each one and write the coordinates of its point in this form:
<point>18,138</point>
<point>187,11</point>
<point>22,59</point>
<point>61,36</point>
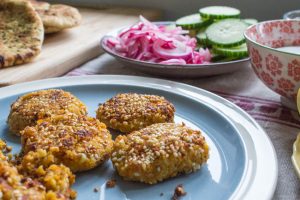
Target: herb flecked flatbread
<point>21,33</point>
<point>57,17</point>
<point>40,5</point>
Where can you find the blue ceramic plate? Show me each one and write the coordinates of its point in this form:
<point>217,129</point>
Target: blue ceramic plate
<point>242,161</point>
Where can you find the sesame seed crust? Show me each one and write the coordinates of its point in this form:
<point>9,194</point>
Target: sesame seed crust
<point>79,142</point>
<point>15,185</point>
<point>128,112</point>
<point>42,104</point>
<point>158,152</point>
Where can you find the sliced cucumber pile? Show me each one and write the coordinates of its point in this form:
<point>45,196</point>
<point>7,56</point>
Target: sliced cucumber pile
<point>220,29</point>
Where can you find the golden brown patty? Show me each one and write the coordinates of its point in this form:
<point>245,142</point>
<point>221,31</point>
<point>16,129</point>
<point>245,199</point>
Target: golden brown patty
<point>158,152</point>
<point>42,104</point>
<point>21,33</point>
<point>79,142</point>
<point>130,111</point>
<point>58,17</point>
<point>14,185</point>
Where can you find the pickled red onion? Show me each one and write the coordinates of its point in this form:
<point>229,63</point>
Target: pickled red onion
<point>146,41</point>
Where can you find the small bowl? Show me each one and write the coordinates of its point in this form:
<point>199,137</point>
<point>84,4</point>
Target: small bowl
<point>279,70</point>
<point>295,14</point>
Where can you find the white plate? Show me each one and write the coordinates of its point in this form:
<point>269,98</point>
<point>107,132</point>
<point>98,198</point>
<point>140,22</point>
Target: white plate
<point>176,71</point>
<point>242,163</point>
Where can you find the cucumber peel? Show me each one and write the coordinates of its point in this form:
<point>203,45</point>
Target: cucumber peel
<point>202,39</point>
<point>193,21</point>
<point>219,12</point>
<point>237,52</point>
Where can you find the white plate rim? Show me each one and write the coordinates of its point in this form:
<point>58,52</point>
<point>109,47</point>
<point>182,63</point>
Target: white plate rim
<point>260,178</point>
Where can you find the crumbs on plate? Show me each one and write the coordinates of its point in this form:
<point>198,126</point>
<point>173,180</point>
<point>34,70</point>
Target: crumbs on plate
<point>178,192</point>
<point>96,189</point>
<point>111,183</point>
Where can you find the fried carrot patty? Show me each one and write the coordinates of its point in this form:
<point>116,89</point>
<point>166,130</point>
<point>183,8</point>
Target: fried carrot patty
<point>15,185</point>
<point>42,104</point>
<point>158,152</point>
<point>79,142</point>
<point>130,111</point>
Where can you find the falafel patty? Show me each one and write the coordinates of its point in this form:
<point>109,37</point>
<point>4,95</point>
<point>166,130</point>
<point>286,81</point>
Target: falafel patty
<point>14,185</point>
<point>158,152</point>
<point>42,104</point>
<point>130,111</point>
<point>79,142</point>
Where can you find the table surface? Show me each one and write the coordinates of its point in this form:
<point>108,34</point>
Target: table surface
<point>281,123</point>
<point>73,47</point>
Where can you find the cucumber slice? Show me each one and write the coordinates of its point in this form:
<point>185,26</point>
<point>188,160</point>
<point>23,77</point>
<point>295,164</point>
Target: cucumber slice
<point>193,21</point>
<point>219,12</point>
<point>217,58</point>
<point>226,33</point>
<point>250,21</point>
<point>202,39</point>
<point>220,58</point>
<point>237,52</point>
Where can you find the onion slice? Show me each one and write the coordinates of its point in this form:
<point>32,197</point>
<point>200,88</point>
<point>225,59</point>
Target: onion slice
<point>172,50</point>
<point>168,45</point>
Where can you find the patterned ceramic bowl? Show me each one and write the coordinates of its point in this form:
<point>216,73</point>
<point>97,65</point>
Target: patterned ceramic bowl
<point>278,69</point>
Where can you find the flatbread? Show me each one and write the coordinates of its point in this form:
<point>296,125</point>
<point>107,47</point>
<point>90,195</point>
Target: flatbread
<point>52,29</point>
<point>21,33</point>
<point>40,5</point>
<point>59,17</point>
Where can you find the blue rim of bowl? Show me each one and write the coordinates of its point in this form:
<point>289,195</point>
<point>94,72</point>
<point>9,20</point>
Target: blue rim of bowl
<point>158,65</point>
<point>264,46</point>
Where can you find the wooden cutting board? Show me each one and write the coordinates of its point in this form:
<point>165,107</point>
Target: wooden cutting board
<point>66,50</point>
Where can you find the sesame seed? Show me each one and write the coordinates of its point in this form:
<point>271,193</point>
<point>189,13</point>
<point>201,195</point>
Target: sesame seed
<point>130,111</point>
<point>159,151</point>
